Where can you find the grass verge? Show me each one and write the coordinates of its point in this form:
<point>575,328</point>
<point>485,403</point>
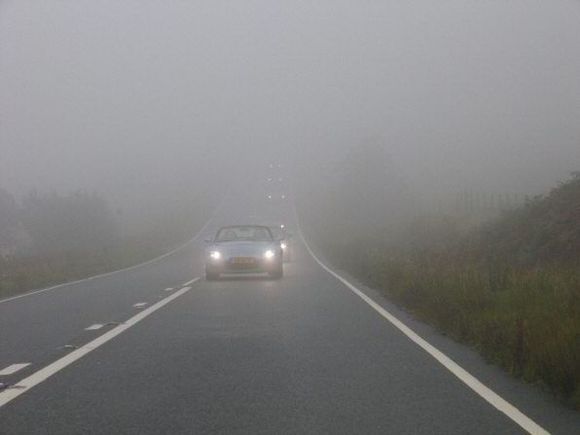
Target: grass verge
<point>524,319</point>
<point>22,274</point>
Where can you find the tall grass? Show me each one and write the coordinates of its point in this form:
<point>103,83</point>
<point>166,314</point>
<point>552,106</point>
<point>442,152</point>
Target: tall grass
<point>525,319</point>
<point>20,274</point>
<point>509,287</point>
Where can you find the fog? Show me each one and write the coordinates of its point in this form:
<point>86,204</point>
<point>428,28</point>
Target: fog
<point>150,99</point>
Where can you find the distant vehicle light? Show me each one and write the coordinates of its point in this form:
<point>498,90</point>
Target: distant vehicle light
<point>269,254</point>
<point>215,255</point>
<point>283,246</point>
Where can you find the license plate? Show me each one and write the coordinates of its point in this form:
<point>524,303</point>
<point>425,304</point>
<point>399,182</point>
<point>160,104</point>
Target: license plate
<point>243,260</point>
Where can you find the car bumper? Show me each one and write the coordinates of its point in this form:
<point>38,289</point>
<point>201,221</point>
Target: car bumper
<point>229,267</point>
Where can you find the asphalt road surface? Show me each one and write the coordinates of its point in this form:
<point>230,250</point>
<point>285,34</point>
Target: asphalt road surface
<point>152,350</point>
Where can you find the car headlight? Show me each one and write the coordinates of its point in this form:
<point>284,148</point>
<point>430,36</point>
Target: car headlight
<point>283,246</point>
<point>215,255</point>
<point>269,254</point>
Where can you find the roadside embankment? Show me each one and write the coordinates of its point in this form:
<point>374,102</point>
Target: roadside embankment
<point>510,289</point>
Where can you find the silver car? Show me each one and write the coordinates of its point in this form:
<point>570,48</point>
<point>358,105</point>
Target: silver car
<point>243,249</point>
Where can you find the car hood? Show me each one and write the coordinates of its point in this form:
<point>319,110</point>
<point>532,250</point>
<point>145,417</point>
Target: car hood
<point>240,249</point>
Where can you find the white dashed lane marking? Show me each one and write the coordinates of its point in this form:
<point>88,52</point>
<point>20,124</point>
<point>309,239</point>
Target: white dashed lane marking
<point>44,373</point>
<point>169,289</point>
<point>94,327</point>
<point>10,370</point>
<point>140,304</point>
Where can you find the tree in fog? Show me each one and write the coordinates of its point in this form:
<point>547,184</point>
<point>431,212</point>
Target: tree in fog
<point>8,221</point>
<point>78,221</point>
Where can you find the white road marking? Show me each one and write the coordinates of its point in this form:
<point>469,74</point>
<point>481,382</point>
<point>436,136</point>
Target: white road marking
<point>169,289</point>
<point>94,327</point>
<point>188,282</point>
<point>10,370</point>
<point>140,304</point>
<point>43,374</point>
<point>467,378</point>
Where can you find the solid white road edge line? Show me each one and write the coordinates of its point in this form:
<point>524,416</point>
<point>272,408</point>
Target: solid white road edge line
<point>43,374</point>
<point>136,266</point>
<point>189,282</point>
<point>468,379</point>
<point>10,370</point>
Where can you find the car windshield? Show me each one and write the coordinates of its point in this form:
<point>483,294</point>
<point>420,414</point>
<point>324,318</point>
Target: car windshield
<point>245,233</point>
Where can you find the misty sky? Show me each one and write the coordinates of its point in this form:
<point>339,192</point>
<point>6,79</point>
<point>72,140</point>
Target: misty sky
<point>123,96</point>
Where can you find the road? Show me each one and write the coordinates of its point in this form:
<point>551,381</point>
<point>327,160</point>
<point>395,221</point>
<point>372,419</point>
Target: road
<point>167,354</point>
